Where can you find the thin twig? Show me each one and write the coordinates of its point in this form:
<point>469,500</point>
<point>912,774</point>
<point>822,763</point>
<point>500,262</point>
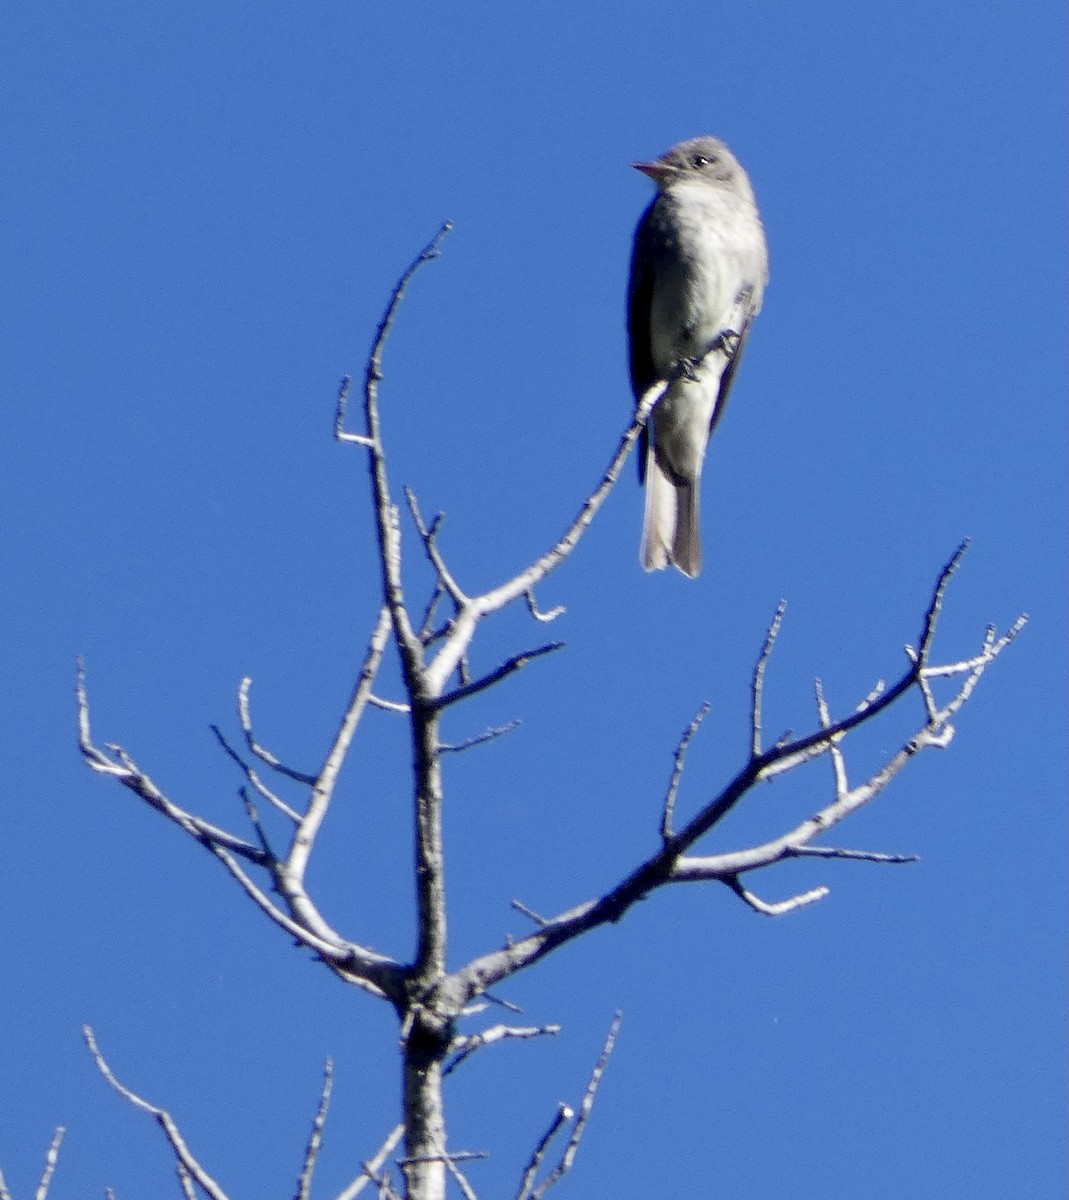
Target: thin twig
<point>465,1187</point>
<point>315,1140</point>
<point>488,735</point>
<point>255,748</point>
<point>370,1170</point>
<point>551,615</point>
<point>838,762</point>
<point>931,617</point>
<point>457,1156</point>
<point>561,1117</point>
<point>758,683</point>
<point>529,913</point>
<point>51,1158</point>
<point>465,1047</point>
<point>387,522</point>
<point>185,1182</point>
<point>780,907</point>
<point>426,626</point>
<point>254,779</point>
<point>339,416</point>
<point>677,770</point>
<point>261,833</point>
<point>174,1138</point>
<point>509,667</point>
<point>127,772</point>
<point>873,856</point>
<point>429,537</point>
<point>568,1157</point>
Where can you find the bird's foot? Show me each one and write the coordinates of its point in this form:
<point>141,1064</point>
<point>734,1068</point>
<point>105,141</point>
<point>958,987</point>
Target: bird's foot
<point>727,340</point>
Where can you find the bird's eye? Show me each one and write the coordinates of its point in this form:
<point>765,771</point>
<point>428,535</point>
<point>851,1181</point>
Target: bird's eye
<point>700,160</point>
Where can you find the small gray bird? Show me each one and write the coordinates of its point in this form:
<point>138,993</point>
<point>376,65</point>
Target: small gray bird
<point>698,272</point>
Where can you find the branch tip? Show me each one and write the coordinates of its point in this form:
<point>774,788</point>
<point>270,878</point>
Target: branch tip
<point>758,683</point>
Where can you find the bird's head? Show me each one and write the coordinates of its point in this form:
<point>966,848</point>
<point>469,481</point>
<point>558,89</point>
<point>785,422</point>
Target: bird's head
<point>701,158</point>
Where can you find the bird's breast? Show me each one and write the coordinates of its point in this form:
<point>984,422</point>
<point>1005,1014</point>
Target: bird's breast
<point>709,250</point>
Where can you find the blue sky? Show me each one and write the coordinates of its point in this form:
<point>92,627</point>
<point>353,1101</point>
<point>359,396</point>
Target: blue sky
<point>202,211</point>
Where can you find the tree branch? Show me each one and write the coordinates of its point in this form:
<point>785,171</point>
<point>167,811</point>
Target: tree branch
<point>570,1151</point>
<point>123,768</point>
<point>464,1047</point>
<point>275,801</point>
<point>170,1130</point>
<point>429,538</point>
<point>677,771</point>
<point>47,1171</point>
<point>510,667</point>
<point>371,1169</point>
<point>323,785</point>
<point>315,1140</point>
<point>389,536</point>
<point>374,973</point>
<point>455,644</point>
<point>780,907</point>
<point>480,739</point>
<point>671,865</point>
<point>757,686</point>
<point>254,747</point>
<point>562,1116</point>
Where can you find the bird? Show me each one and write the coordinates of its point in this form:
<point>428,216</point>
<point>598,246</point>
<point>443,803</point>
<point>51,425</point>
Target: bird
<point>699,268</point>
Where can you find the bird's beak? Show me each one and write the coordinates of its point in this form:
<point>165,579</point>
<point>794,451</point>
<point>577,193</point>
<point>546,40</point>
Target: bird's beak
<point>657,171</point>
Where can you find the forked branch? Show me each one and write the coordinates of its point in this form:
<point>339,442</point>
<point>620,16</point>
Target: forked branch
<point>528,1190</point>
<point>673,864</point>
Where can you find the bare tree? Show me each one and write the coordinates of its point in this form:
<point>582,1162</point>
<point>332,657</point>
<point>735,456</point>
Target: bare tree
<point>433,639</point>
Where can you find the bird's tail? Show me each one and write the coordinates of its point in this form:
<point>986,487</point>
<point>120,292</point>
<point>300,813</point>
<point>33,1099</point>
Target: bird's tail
<point>670,531</point>
<point>687,543</point>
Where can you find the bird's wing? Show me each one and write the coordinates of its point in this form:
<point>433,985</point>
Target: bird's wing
<point>745,314</point>
<point>639,301</point>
